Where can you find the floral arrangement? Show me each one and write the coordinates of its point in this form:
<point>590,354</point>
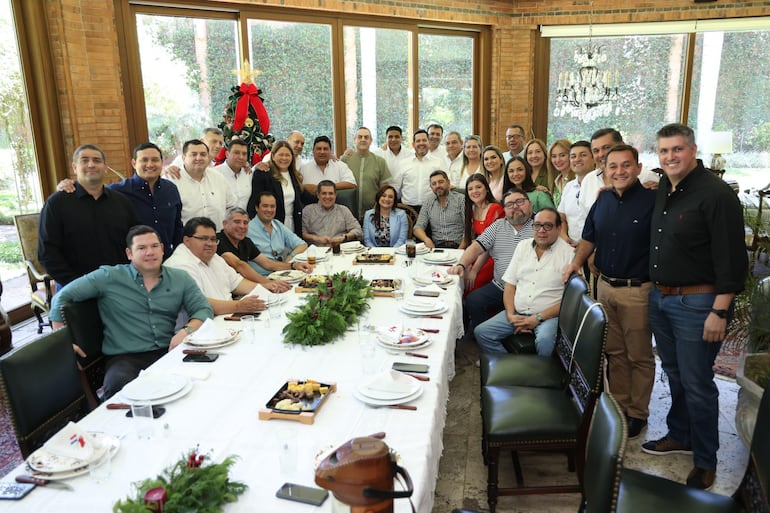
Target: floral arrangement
<point>193,483</point>
<point>326,315</point>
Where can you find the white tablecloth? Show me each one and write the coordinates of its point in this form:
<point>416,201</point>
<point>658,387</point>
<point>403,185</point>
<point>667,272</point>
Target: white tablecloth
<point>221,412</point>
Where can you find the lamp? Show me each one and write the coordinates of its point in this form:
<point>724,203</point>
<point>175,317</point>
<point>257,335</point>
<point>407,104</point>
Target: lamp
<point>718,143</point>
<point>589,93</point>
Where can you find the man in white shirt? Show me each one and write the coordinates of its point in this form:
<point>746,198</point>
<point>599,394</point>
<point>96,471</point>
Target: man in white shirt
<point>435,136</point>
<point>237,172</point>
<point>204,192</point>
<point>197,255</point>
<point>533,289</point>
<point>297,142</point>
<point>214,140</point>
<point>413,180</point>
<point>514,139</point>
<point>322,167</point>
<point>393,151</point>
<point>573,217</point>
<point>454,156</point>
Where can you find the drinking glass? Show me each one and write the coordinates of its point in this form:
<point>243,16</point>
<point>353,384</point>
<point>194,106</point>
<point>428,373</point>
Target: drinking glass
<point>143,422</point>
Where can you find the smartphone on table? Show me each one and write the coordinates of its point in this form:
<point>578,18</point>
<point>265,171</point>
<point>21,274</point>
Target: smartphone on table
<point>299,493</point>
<point>418,368</point>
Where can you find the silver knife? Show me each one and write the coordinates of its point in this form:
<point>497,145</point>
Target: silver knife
<point>25,478</point>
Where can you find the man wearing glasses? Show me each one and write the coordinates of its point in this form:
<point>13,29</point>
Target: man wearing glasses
<point>618,227</point>
<point>240,252</point>
<point>218,281</point>
<point>533,289</point>
<point>514,139</point>
<point>498,241</point>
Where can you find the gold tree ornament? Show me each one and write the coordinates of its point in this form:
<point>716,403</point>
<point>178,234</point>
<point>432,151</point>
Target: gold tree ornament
<point>246,75</point>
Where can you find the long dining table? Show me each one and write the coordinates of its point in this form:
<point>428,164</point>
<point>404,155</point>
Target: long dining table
<point>220,413</point>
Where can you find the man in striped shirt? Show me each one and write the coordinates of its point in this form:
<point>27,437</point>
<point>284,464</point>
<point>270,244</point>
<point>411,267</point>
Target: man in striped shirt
<point>444,213</point>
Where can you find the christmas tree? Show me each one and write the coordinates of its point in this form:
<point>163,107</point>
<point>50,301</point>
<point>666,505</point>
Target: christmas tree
<point>246,118</point>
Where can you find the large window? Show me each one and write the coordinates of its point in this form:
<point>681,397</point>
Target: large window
<point>296,64</point>
<point>731,93</point>
<point>446,82</point>
<point>19,181</point>
<point>187,72</point>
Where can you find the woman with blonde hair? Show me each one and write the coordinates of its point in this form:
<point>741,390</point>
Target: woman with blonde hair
<point>285,182</point>
<point>492,159</point>
<point>471,160</point>
<point>559,171</point>
<point>535,155</point>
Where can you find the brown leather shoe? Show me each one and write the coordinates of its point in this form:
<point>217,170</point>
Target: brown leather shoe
<point>700,478</point>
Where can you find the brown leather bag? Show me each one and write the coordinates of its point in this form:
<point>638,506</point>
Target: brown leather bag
<point>360,473</point>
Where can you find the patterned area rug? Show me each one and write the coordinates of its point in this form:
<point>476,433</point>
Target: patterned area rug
<point>10,456</point>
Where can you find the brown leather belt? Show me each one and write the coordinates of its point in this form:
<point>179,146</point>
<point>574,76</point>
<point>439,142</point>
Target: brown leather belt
<point>685,290</point>
<point>623,282</point>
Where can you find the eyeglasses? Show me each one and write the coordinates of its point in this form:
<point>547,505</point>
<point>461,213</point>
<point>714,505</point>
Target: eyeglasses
<point>543,226</point>
<point>515,203</point>
<point>212,240</point>
<point>514,136</point>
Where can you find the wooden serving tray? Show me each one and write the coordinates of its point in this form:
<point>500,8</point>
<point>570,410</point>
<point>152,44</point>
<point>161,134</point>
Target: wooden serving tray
<point>304,417</point>
<point>380,259</point>
<point>385,291</point>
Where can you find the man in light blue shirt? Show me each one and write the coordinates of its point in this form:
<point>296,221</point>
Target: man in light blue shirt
<point>138,303</point>
<point>271,237</point>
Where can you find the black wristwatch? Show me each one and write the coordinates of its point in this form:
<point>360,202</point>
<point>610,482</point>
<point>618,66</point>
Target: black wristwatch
<point>722,314</point>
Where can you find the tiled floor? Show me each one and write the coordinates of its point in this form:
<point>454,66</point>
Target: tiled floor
<point>462,474</point>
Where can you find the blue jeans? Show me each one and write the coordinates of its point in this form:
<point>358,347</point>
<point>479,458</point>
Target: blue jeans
<point>677,323</point>
<point>489,334</point>
<point>482,301</point>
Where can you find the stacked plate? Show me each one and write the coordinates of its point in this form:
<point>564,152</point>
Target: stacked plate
<point>421,249</point>
<point>320,255</point>
<point>439,258</point>
<point>433,276</point>
<point>352,247</point>
<point>388,388</point>
<point>406,340</point>
<point>291,276</point>
<point>200,341</point>
<point>156,388</point>
<point>53,467</point>
<point>420,306</point>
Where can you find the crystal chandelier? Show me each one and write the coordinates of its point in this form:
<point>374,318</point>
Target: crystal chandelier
<point>589,92</point>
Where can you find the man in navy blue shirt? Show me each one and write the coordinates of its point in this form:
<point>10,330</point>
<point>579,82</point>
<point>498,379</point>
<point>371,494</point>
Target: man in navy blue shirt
<point>618,229</point>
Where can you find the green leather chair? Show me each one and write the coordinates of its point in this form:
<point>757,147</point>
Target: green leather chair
<point>605,451</point>
<point>521,418</point>
<point>39,383</point>
<point>530,369</point>
<point>87,331</point>
<point>640,492</point>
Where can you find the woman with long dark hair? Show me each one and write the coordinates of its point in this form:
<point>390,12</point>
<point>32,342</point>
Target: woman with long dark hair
<point>481,210</point>
<point>519,174</point>
<point>385,225</point>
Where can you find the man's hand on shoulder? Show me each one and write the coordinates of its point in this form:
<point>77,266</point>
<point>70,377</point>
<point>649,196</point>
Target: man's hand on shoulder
<point>67,185</point>
<point>261,166</point>
<point>172,172</point>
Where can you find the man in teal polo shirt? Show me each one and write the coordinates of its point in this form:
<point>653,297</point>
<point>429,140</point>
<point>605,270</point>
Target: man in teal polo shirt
<point>139,303</point>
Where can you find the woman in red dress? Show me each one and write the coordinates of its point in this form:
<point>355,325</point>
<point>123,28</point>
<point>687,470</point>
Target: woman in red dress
<point>481,210</point>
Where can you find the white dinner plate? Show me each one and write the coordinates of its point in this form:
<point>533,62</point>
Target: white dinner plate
<point>279,299</point>
<point>420,250</point>
<point>401,347</point>
<point>439,258</point>
<point>320,256</point>
<point>422,305</point>
<point>165,400</point>
<point>214,342</point>
<point>49,466</point>
<point>291,276</point>
<point>386,402</point>
<point>417,314</point>
<point>214,345</point>
<point>152,386</point>
<point>370,390</point>
<point>391,341</point>
<point>351,247</point>
<point>427,280</point>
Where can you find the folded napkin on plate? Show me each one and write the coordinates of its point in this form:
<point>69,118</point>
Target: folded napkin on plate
<point>391,381</point>
<point>195,373</point>
<point>429,288</point>
<point>349,246</point>
<point>259,291</point>
<point>209,330</point>
<point>420,303</point>
<point>71,442</point>
<point>395,335</point>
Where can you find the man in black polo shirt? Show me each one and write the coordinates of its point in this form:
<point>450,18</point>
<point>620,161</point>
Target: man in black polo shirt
<point>618,227</point>
<point>81,231</point>
<point>238,250</point>
<point>698,263</point>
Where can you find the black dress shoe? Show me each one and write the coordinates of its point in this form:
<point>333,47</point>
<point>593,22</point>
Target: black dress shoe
<point>635,426</point>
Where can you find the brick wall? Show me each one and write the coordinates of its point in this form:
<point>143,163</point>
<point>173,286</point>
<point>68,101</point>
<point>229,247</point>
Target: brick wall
<point>88,76</point>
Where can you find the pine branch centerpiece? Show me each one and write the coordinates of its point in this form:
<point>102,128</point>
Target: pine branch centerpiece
<point>194,483</point>
<point>325,316</point>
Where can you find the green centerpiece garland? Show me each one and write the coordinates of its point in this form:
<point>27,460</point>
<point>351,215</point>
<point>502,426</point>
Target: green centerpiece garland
<point>193,483</point>
<point>325,316</point>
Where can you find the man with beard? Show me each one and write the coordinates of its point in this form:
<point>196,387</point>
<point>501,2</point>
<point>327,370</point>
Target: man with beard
<point>533,289</point>
<point>499,241</point>
<point>444,213</point>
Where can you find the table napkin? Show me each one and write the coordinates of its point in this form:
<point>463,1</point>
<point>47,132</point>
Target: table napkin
<point>392,382</point>
<point>192,372</point>
<point>209,330</point>
<point>430,288</point>
<point>72,442</point>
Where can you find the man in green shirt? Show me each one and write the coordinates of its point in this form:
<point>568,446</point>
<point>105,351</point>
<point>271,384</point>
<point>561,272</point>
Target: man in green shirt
<point>370,170</point>
<point>139,303</point>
